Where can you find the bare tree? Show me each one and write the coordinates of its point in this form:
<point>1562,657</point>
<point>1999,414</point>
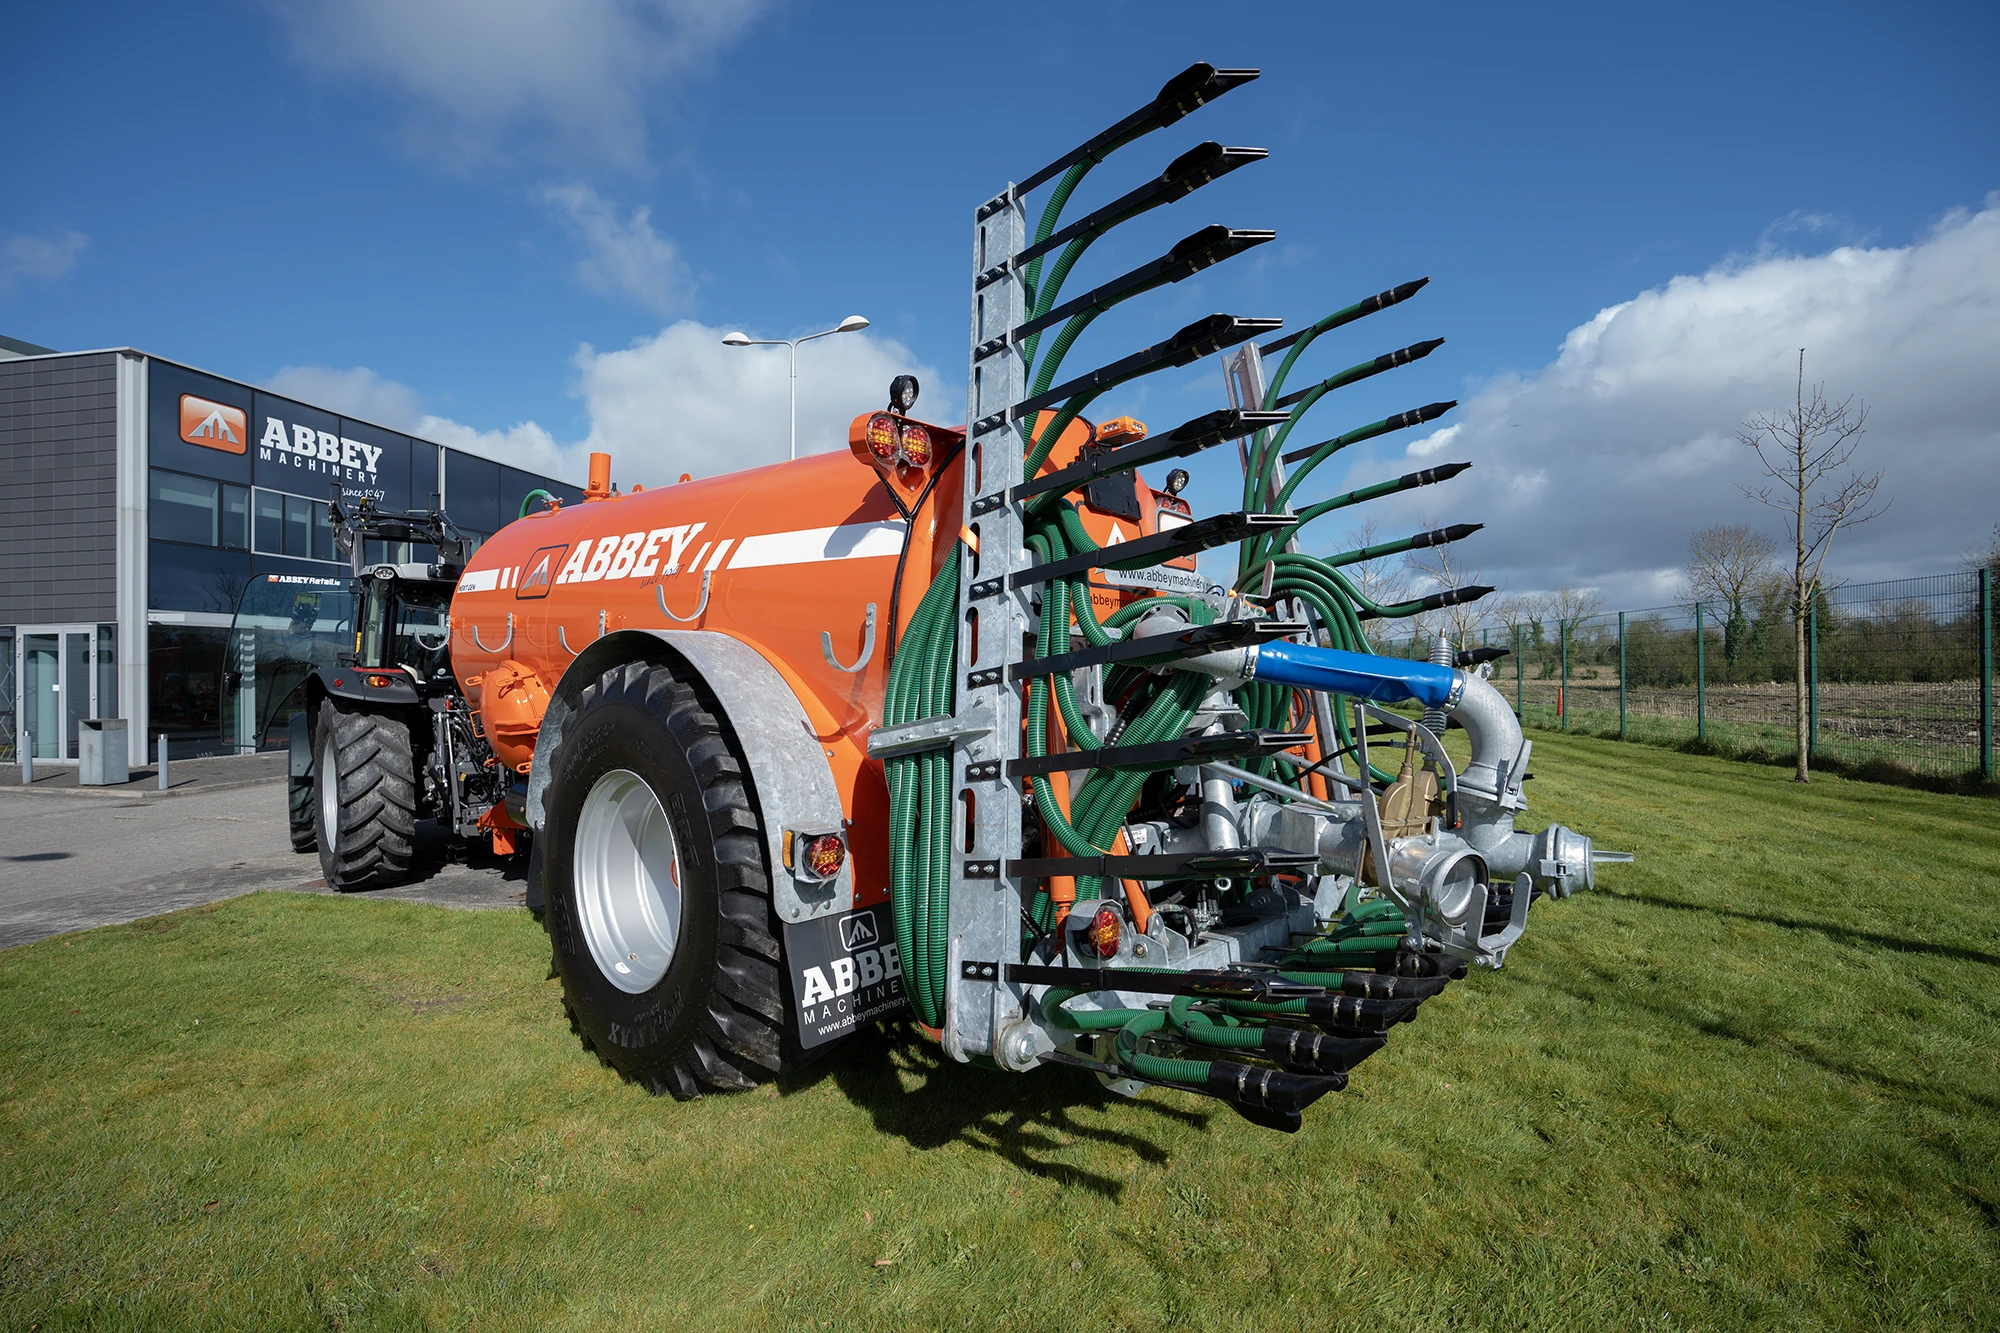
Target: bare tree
<point>1805,452</point>
<point>1447,568</point>
<point>1379,580</point>
<point>1727,564</point>
<point>1568,605</point>
<point>1563,609</point>
<point>1987,557</point>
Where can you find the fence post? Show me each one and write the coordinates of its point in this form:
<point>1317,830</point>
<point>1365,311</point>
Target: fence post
<point>1621,675</point>
<point>1986,673</point>
<point>1812,679</point>
<point>1562,688</point>
<point>1520,671</point>
<point>1700,678</point>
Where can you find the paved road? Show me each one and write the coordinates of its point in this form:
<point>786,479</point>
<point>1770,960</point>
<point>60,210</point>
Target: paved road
<point>69,861</point>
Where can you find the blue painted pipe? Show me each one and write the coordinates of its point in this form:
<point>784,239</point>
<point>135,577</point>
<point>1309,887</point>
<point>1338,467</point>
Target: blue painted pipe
<point>1386,680</point>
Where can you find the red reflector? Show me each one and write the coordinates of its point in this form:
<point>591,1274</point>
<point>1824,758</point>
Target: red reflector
<point>882,436</point>
<point>825,854</point>
<point>916,449</point>
<point>1103,932</point>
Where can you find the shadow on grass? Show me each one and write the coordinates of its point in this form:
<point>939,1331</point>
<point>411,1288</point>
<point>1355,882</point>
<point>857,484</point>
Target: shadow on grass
<point>1674,1007</point>
<point>1030,1120</point>
<point>1838,934</point>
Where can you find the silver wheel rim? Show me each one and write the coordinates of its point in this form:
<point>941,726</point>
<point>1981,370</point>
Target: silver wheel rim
<point>627,873</point>
<point>329,795</point>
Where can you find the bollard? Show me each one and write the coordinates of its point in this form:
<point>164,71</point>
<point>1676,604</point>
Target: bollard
<point>28,757</point>
<point>163,761</point>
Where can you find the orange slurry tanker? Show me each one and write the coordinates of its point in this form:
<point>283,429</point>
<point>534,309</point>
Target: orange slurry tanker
<point>950,727</point>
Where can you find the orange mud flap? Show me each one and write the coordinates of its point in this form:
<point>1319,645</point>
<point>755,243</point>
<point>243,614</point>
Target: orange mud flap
<point>504,831</point>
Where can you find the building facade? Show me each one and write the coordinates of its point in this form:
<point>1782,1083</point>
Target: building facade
<point>167,550</point>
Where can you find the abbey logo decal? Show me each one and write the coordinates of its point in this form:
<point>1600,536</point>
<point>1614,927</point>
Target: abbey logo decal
<point>214,425</point>
<point>846,971</point>
<point>538,574</point>
<point>857,931</point>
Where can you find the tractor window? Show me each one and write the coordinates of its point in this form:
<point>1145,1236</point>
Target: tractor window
<point>421,636</point>
<point>372,633</point>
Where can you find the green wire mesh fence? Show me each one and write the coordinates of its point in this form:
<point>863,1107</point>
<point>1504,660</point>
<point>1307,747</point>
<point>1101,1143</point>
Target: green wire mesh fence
<point>1899,672</point>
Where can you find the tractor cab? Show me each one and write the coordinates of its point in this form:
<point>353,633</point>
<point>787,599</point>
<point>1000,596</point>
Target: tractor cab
<point>399,620</point>
<point>400,607</point>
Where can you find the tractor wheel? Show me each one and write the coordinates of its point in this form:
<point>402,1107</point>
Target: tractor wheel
<point>658,899</point>
<point>299,785</point>
<point>364,797</point>
<point>299,798</point>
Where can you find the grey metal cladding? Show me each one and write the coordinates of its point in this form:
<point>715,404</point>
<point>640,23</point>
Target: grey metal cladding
<point>58,503</point>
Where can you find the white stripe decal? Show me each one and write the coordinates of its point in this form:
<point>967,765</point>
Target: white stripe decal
<point>715,561</point>
<point>479,580</point>
<point>852,541</point>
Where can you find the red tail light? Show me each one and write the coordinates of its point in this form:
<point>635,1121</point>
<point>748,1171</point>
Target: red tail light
<point>905,454</point>
<point>825,855</point>
<point>1104,931</point>
<point>882,436</point>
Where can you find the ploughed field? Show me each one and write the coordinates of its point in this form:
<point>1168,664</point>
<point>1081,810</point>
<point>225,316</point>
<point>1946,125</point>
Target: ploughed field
<point>1752,1081</point>
<point>1927,726</point>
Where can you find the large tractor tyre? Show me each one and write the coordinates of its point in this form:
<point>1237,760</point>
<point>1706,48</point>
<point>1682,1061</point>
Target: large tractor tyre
<point>364,797</point>
<point>657,895</point>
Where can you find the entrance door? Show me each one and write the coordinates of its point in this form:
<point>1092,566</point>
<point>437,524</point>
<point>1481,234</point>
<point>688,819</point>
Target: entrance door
<point>57,668</point>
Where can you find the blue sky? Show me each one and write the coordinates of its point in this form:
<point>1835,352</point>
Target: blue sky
<point>523,227</point>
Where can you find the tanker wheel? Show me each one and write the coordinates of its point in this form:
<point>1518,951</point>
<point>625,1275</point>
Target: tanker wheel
<point>657,897</point>
<point>365,796</point>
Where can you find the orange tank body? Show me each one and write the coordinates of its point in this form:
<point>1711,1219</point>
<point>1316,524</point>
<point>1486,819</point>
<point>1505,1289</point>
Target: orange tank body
<point>790,550</point>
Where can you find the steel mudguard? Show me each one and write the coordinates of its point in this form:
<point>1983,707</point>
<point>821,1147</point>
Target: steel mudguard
<point>789,776</point>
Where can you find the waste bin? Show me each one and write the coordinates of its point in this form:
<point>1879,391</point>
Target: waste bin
<point>102,759</point>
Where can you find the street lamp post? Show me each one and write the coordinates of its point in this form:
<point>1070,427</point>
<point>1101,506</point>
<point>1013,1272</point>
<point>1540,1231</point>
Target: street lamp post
<point>852,324</point>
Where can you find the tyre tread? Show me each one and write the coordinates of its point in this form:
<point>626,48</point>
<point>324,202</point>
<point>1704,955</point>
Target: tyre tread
<point>740,1039</point>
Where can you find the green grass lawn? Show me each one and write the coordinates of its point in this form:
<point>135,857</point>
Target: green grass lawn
<point>1753,1081</point>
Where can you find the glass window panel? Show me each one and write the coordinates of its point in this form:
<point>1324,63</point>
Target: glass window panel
<point>183,509</point>
<point>472,491</point>
<point>7,695</point>
<point>374,625</point>
<point>298,526</point>
<point>421,634</point>
<point>189,578</point>
<point>75,688</point>
<point>41,697</point>
<point>236,517</point>
<point>270,522</point>
<point>107,670</point>
<point>184,670</point>
<point>322,533</point>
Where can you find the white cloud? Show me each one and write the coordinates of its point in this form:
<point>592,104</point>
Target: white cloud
<point>524,444</point>
<point>1596,469</point>
<point>43,257</point>
<point>682,402</point>
<point>358,392</point>
<point>676,402</point>
<point>622,256</point>
<point>581,73</point>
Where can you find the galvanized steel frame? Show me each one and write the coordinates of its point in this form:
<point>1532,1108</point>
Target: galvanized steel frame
<point>992,632</point>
